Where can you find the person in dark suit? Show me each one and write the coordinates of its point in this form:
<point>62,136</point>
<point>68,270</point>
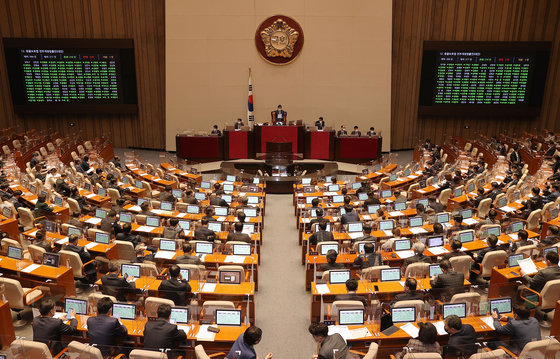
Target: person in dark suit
<point>279,116</point>
<point>449,280</point>
<point>551,272</point>
<point>73,246</point>
<point>552,236</point>
<point>435,205</point>
<point>203,233</point>
<point>103,330</point>
<point>160,334</point>
<point>522,329</point>
<point>172,231</point>
<point>166,195</point>
<point>370,258</point>
<point>331,261</point>
<point>351,288</point>
<point>418,256</point>
<point>216,131</point>
<point>84,165</point>
<point>127,236</point>
<point>319,213</point>
<point>456,246</point>
<point>42,209</point>
<point>239,124</point>
<point>371,132</point>
<point>328,344</point>
<point>410,292</point>
<point>110,224</point>
<point>320,123</point>
<point>175,289</point>
<point>372,199</point>
<point>350,215</point>
<point>462,338</point>
<point>61,186</point>
<point>356,132</point>
<point>189,198</point>
<point>188,257</point>
<point>113,285</point>
<point>217,201</point>
<point>40,241</point>
<point>322,235</point>
<point>492,241</point>
<point>49,330</point>
<point>238,235</point>
<point>342,131</point>
<point>515,157</point>
<point>366,231</point>
<point>243,347</point>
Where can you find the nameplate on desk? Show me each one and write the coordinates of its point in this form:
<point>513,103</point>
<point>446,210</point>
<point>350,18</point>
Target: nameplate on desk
<point>313,253</point>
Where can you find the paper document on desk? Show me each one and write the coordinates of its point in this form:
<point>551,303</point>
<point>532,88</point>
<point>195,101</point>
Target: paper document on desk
<point>470,221</point>
<point>507,209</point>
<point>234,259</point>
<point>209,287</point>
<point>144,229</point>
<point>221,219</point>
<point>32,233</point>
<point>489,321</point>
<point>329,193</point>
<point>135,208</point>
<point>90,195</point>
<point>30,268</point>
<point>388,233</point>
<point>305,220</point>
<point>157,211</point>
<point>528,266</point>
<point>513,236</point>
<point>411,176</point>
<point>204,335</point>
<point>34,201</point>
<point>396,214</point>
<point>410,329</point>
<point>420,191</point>
<point>360,333</point>
<point>62,241</point>
<point>322,288</point>
<point>182,215</point>
<point>94,220</point>
<point>440,326</point>
<point>165,254</point>
<point>90,245</point>
<point>340,329</point>
<point>355,235</point>
<point>417,230</point>
<point>366,217</point>
<point>438,250</point>
<point>405,254</point>
<point>185,328</point>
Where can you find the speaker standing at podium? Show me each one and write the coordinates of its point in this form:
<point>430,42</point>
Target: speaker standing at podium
<point>320,123</point>
<point>279,116</point>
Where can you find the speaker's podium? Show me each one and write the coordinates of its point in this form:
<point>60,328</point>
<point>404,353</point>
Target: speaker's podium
<point>279,162</point>
<point>294,134</point>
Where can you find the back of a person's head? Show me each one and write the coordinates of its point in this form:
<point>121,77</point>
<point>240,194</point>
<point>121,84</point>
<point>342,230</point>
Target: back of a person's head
<point>319,329</point>
<point>112,213</point>
<point>46,306</point>
<point>144,206</point>
<point>164,311</point>
<point>41,198</point>
<point>204,221</point>
<point>492,240</point>
<point>187,248</point>
<point>418,247</point>
<point>127,228</point>
<point>454,322</point>
<point>523,234</point>
<point>553,230</point>
<point>173,222</point>
<point>331,256</point>
<point>492,214</point>
<point>238,226</point>
<point>174,271</point>
<point>536,190</point>
<point>369,248</point>
<point>411,283</point>
<point>113,267</point>
<point>104,305</point>
<point>315,202</point>
<point>73,238</point>
<point>396,232</point>
<point>438,228</point>
<point>252,335</point>
<point>367,228</point>
<point>209,210</point>
<point>456,244</point>
<point>319,212</point>
<point>522,311</point>
<point>351,285</point>
<point>552,257</point>
<point>168,188</point>
<point>323,225</point>
<point>348,208</point>
<point>427,333</point>
<point>445,264</point>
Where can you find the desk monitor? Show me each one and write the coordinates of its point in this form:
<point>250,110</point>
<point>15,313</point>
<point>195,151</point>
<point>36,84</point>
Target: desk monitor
<point>403,314</point>
<point>100,213</point>
<point>230,178</point>
<point>141,201</point>
<point>402,245</point>
<point>516,195</point>
<point>513,259</point>
<point>471,187</point>
<point>407,172</point>
<point>328,178</point>
<point>434,241</point>
<point>152,221</point>
<point>250,212</point>
<point>125,217</point>
<point>177,193</point>
<point>386,225</point>
<point>339,276</point>
<point>309,199</point>
<point>138,184</point>
<point>355,227</point>
<point>124,311</point>
<point>200,196</point>
<point>221,211</point>
<point>416,222</point>
<point>393,178</point>
<point>185,225</point>
<point>49,226</point>
<point>466,213</point>
<point>338,199</point>
<point>242,249</point>
<point>51,259</point>
<point>166,206</point>
<point>215,226</point>
<point>362,196</point>
<point>205,185</point>
<point>442,217</point>
<point>351,317</point>
<point>131,270</point>
<point>390,274</point>
<point>342,210</point>
<point>376,168</point>
<point>435,270</point>
<point>230,277</point>
<point>125,180</point>
<point>179,315</point>
<point>103,238</point>
<point>227,197</point>
<point>228,317</point>
<point>356,185</point>
<point>503,305</point>
<point>550,249</point>
<point>192,209</point>
<point>185,275</point>
<point>79,306</point>
<point>253,199</point>
<point>15,252</point>
<point>44,193</point>
<point>422,201</point>
<point>502,202</point>
<point>6,212</point>
<point>312,213</point>
<point>256,180</point>
<point>167,245</point>
<point>74,230</point>
<point>204,248</point>
<point>248,228</point>
<point>496,230</point>
<point>334,188</point>
<point>466,237</point>
<point>102,192</point>
<point>386,193</point>
<point>400,206</point>
<point>458,309</point>
<point>57,202</point>
<point>458,192</point>
<point>306,181</point>
<point>228,188</point>
<point>327,247</point>
<point>372,208</point>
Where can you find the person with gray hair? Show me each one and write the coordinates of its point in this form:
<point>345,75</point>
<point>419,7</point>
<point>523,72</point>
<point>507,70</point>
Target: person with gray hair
<point>418,256</point>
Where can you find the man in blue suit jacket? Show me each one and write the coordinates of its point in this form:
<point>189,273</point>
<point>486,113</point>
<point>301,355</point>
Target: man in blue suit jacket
<point>103,330</point>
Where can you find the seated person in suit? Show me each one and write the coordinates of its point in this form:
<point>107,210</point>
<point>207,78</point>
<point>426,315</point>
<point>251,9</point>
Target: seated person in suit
<point>356,132</point>
<point>342,131</point>
<point>279,116</point>
<point>351,288</point>
<point>522,329</point>
<point>410,292</point>
<point>319,213</point>
<point>450,280</point>
<point>330,346</point>
<point>456,246</point>
<point>203,233</point>
<point>418,256</point>
<point>127,236</point>
<point>115,286</point>
<point>189,256</point>
<point>216,131</point>
<point>322,235</point>
<point>331,261</point>
<point>320,123</point>
<point>174,288</point>
<point>217,201</point>
<point>552,236</point>
<point>145,209</point>
<point>492,241</point>
<point>372,199</point>
<point>166,195</point>
<point>188,197</point>
<point>435,205</point>
<point>42,209</point>
<point>243,347</point>
<point>424,343</point>
<point>238,124</point>
<point>368,259</point>
<point>238,235</point>
<point>141,255</point>
<point>462,338</point>
<point>399,196</point>
<point>522,240</point>
<point>42,242</point>
<point>73,246</point>
<point>350,215</point>
<point>160,334</point>
<point>241,216</point>
<point>551,272</point>
<point>172,231</point>
<point>49,330</point>
<point>371,131</point>
<point>103,330</point>
<point>110,224</point>
<point>366,230</point>
<point>209,214</point>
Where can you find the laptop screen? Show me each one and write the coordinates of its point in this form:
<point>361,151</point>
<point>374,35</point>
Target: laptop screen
<point>74,230</point>
<point>250,212</point>
<point>228,317</point>
<point>100,213</point>
<point>339,276</point>
<point>549,249</point>
<point>316,227</point>
<point>205,185</point>
<point>355,227</point>
<point>185,275</point>
<point>215,226</point>
<point>386,193</point>
<point>403,314</point>
<point>102,192</point>
<point>152,221</point>
<point>221,211</point>
<point>199,196</point>
<point>51,259</point>
<point>466,237</point>
<point>193,209</point>
<point>124,311</point>
<point>227,197</point>
<point>230,178</point>
<point>422,201</point>
<point>334,188</point>
<point>78,305</point>
<point>131,270</point>
<point>338,199</point>
<point>177,193</point>
<point>185,225</point>
<point>497,230</point>
<point>386,225</point>
<point>49,226</point>
<point>502,202</point>
<point>400,206</point>
<point>166,206</point>
<point>503,305</point>
<point>327,247</point>
<point>125,217</point>
<point>392,178</point>
<point>390,274</point>
<point>15,252</point>
<point>458,192</point>
<point>249,228</point>
<point>434,241</point>
<point>253,199</point>
<point>458,309</point>
<point>416,222</point>
<point>514,258</point>
<point>471,187</point>
<point>167,245</point>
<point>138,184</point>
<point>242,249</point>
<point>102,238</point>
<point>372,208</point>
<point>179,315</point>
<point>306,181</point>
<point>442,218</point>
<point>402,245</point>
<point>228,187</point>
<point>57,201</point>
<point>309,199</point>
<point>230,277</point>
<point>356,185</point>
<point>435,270</point>
<point>204,248</point>
<point>141,201</point>
<point>467,213</point>
<point>351,317</point>
<point>362,196</point>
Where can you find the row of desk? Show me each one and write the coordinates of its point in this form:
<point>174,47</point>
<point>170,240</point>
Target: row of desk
<point>314,144</point>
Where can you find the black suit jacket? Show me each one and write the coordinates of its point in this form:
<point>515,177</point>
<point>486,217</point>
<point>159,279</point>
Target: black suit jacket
<point>410,295</point>
<point>204,234</point>
<point>177,291</point>
<point>116,286</point>
<point>239,237</point>
<point>103,330</point>
<point>461,343</point>
<point>351,296</point>
<point>238,125</point>
<point>368,260</point>
<point>159,334</point>
<point>417,258</point>
<point>84,256</point>
<point>449,280</point>
<point>544,275</point>
<point>350,217</point>
<point>49,330</point>
<point>321,236</point>
<point>276,113</point>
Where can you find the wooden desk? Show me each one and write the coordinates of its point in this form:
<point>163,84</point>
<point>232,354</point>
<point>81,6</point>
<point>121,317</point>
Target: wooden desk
<point>503,281</point>
<point>375,176</point>
<point>356,149</point>
<point>403,181</point>
<point>153,180</point>
<point>200,148</point>
<point>7,333</point>
<point>10,226</point>
<point>190,177</point>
